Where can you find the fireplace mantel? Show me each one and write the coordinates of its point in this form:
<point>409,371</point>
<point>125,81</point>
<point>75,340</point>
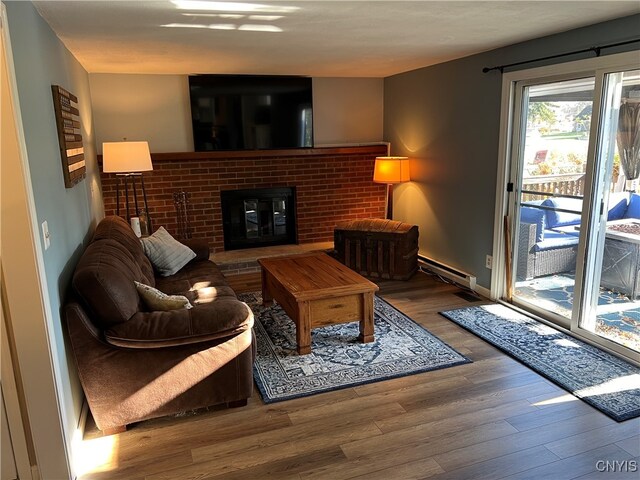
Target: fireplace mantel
<point>263,154</point>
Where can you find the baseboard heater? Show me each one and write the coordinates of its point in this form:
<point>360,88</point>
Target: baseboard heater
<point>453,274</point>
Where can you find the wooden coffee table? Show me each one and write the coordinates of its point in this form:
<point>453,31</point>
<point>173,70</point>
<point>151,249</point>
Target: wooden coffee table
<point>315,290</point>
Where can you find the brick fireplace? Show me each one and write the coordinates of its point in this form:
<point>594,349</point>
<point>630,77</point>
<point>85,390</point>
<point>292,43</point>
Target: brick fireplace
<point>332,184</point>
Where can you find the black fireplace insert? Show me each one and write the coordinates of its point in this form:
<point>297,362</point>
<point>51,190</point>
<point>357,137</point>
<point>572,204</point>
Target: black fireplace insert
<point>258,217</point>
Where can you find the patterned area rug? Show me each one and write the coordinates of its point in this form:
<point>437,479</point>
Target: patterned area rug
<point>606,382</point>
<point>338,359</point>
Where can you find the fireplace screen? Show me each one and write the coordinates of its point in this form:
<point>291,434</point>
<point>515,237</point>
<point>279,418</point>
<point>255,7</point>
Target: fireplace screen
<point>258,217</point>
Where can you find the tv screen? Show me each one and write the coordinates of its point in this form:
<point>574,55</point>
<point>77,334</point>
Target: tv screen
<point>250,112</point>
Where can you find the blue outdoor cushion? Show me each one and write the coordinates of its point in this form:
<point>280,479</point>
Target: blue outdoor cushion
<point>562,219</point>
<point>617,206</point>
<point>633,210</point>
<point>553,240</point>
<point>535,216</point>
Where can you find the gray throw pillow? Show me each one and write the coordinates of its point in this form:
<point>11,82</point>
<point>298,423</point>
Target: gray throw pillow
<point>156,300</point>
<point>167,255</point>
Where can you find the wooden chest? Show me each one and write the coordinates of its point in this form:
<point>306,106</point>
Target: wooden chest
<point>378,248</point>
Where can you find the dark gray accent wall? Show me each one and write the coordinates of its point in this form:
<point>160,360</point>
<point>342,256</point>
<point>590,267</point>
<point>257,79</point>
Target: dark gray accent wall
<point>447,119</point>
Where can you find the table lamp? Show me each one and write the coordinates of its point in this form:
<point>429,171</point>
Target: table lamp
<point>391,170</point>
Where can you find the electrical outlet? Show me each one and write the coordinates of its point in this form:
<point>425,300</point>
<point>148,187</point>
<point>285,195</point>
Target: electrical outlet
<point>46,237</point>
<point>489,262</point>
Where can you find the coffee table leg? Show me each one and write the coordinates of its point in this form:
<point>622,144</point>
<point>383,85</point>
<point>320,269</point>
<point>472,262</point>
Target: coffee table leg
<point>303,328</point>
<point>267,298</point>
<point>366,324</point>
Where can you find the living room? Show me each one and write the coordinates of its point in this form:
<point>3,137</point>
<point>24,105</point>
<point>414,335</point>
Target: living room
<point>445,117</point>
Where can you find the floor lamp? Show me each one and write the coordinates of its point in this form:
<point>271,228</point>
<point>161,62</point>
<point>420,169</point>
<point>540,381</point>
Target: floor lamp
<point>391,170</point>
<point>128,160</point>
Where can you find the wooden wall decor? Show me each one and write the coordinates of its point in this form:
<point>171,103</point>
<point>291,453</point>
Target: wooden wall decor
<point>69,135</point>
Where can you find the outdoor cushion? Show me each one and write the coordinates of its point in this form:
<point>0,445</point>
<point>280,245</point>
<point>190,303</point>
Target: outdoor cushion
<point>561,219</point>
<point>633,210</point>
<point>617,206</point>
<point>553,240</point>
<point>535,216</point>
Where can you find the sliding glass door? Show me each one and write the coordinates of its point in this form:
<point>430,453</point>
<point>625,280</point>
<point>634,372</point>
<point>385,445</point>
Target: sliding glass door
<point>611,300</point>
<point>551,167</point>
<point>574,209</point>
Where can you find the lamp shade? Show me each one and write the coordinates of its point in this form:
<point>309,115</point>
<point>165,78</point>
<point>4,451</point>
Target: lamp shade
<point>126,157</point>
<point>391,170</point>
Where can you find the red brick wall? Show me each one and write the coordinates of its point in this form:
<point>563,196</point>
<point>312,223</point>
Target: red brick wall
<point>332,184</point>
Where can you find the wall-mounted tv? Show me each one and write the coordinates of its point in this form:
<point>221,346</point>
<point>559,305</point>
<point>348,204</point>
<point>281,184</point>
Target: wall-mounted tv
<point>251,112</point>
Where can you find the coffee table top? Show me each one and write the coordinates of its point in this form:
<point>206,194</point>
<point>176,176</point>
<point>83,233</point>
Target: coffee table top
<point>310,276</point>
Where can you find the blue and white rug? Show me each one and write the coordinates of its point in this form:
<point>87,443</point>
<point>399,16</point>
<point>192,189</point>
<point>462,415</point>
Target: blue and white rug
<point>604,381</point>
<point>338,360</point>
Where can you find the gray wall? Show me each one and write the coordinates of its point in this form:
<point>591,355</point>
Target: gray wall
<point>40,60</point>
<point>156,108</point>
<point>447,119</point>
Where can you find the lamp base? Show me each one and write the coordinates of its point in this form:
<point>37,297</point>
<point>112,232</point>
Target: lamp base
<point>389,201</point>
<point>127,178</point>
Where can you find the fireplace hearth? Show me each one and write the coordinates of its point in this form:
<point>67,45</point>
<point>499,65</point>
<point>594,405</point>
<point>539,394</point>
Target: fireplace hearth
<point>258,217</point>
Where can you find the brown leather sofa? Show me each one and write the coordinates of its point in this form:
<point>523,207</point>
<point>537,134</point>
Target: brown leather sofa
<point>136,364</point>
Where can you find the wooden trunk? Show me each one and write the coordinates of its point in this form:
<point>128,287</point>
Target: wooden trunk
<point>378,248</point>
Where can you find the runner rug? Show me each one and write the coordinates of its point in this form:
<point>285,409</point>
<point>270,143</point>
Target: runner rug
<point>338,359</point>
<point>602,380</point>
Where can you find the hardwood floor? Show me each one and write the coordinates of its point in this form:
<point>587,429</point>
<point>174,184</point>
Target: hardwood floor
<point>490,419</point>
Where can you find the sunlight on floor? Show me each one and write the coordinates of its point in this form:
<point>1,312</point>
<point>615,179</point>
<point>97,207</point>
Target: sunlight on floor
<point>555,400</point>
<point>96,455</point>
<point>620,384</point>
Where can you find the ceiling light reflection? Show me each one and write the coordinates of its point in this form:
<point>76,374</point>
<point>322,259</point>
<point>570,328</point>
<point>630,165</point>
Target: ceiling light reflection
<point>183,25</point>
<point>260,28</point>
<point>232,6</point>
<point>265,18</point>
<point>213,26</point>
<point>231,16</point>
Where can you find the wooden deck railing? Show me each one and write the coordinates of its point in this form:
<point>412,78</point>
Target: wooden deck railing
<point>562,184</point>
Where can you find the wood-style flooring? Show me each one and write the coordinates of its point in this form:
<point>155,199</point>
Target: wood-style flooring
<point>491,419</point>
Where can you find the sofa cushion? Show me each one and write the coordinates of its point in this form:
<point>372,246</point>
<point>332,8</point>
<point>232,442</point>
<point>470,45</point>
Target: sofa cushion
<point>633,210</point>
<point>201,282</point>
<point>166,253</point>
<point>535,216</point>
<point>116,228</point>
<point>104,280</point>
<point>561,219</point>
<point>156,300</point>
<point>553,240</point>
<point>617,205</point>
<point>219,319</point>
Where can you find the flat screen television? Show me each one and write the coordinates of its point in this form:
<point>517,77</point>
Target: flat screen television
<point>251,112</point>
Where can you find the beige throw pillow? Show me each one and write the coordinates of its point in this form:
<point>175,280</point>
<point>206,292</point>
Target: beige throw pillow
<point>156,300</point>
<point>166,253</point>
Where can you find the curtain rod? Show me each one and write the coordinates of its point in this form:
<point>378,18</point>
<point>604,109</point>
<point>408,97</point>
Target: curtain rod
<point>595,50</point>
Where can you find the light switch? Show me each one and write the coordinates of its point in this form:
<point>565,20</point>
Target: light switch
<point>45,235</point>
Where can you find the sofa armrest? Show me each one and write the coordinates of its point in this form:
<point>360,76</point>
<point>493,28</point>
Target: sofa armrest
<point>199,246</point>
<point>223,318</point>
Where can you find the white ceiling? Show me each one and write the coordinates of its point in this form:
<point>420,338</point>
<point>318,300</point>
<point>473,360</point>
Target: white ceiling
<point>316,38</point>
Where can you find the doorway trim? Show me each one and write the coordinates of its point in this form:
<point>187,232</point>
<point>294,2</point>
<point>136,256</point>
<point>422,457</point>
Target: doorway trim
<point>505,152</point>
